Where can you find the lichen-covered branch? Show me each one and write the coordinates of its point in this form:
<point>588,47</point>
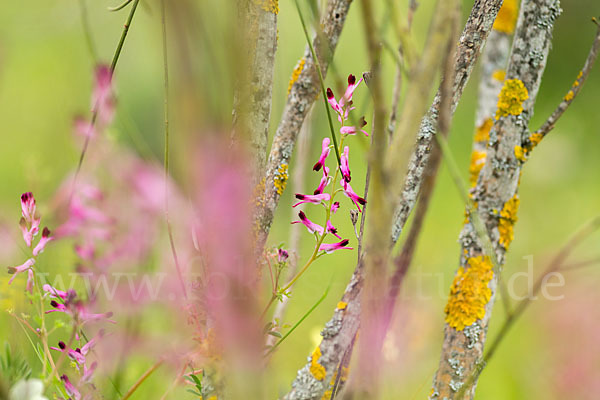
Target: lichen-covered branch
<point>303,91</point>
<point>313,380</point>
<point>471,42</point>
<point>473,291</point>
<point>252,109</point>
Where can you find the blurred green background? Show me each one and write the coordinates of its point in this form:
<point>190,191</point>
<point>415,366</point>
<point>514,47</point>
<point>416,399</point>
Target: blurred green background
<point>46,78</point>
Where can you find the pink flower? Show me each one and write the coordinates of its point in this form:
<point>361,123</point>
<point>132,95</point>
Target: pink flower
<point>344,165</point>
<point>43,241</point>
<point>28,207</point>
<point>356,199</point>
<point>282,255</point>
<point>335,206</point>
<point>331,229</point>
<point>30,281</point>
<point>324,181</point>
<point>102,98</point>
<point>352,85</point>
<point>20,268</point>
<point>88,372</point>
<point>76,308</point>
<point>351,130</point>
<point>331,247</point>
<point>58,294</point>
<point>30,222</point>
<point>315,198</point>
<point>70,389</point>
<point>324,153</point>
<point>333,102</point>
<point>311,226</point>
<point>74,355</point>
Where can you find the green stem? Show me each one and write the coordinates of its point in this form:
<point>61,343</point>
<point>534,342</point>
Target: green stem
<point>137,384</point>
<point>322,82</point>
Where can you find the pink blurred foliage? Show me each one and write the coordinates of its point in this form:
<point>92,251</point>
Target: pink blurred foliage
<point>572,331</point>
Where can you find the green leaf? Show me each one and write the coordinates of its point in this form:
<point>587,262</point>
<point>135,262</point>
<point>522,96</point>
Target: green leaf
<point>275,333</point>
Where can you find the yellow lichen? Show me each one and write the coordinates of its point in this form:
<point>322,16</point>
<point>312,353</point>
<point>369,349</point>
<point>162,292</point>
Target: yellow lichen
<point>535,139</point>
<point>482,133</point>
<point>280,179</point>
<point>342,305</point>
<point>469,293</point>
<point>316,369</point>
<point>295,74</point>
<point>521,153</point>
<point>477,163</point>
<point>507,17</point>
<point>328,393</point>
<point>499,75</point>
<point>271,6</point>
<point>569,96</point>
<point>508,218</point>
<point>511,98</point>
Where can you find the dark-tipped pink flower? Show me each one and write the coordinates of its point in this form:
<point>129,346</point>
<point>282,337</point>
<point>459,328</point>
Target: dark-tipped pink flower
<point>324,181</point>
<point>75,355</point>
<point>344,164</point>
<point>333,102</point>
<point>331,247</point>
<point>332,229</point>
<point>28,209</point>
<point>282,255</point>
<point>30,222</point>
<point>43,242</point>
<point>356,199</point>
<point>311,226</point>
<point>351,130</point>
<point>352,85</point>
<point>335,206</point>
<point>324,154</point>
<point>70,389</point>
<point>27,265</point>
<point>315,198</point>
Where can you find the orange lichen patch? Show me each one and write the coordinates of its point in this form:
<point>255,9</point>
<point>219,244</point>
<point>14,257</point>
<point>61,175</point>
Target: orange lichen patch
<point>511,98</point>
<point>569,96</point>
<point>507,17</point>
<point>521,153</point>
<point>295,74</point>
<point>499,75</point>
<point>469,293</point>
<point>281,178</point>
<point>477,163</point>
<point>258,193</point>
<point>482,133</point>
<point>342,305</point>
<point>328,393</point>
<point>271,6</point>
<point>508,218</point>
<point>316,369</point>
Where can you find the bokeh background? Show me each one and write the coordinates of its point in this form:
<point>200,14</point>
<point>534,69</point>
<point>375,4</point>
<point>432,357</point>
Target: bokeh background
<point>46,76</point>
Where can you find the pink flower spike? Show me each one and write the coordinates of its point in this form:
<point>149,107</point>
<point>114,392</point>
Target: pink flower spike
<point>351,130</point>
<point>20,268</point>
<point>324,153</point>
<point>311,226</point>
<point>331,247</point>
<point>352,85</point>
<point>315,198</point>
<point>332,101</point>
<point>335,206</point>
<point>70,389</point>
<point>331,229</point>
<point>344,166</point>
<point>356,199</point>
<point>324,181</point>
<point>43,241</point>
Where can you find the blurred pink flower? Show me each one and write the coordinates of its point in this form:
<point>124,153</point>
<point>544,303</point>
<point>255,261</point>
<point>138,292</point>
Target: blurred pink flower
<point>27,265</point>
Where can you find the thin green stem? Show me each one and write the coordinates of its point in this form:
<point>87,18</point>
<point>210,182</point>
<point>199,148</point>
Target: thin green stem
<point>322,82</point>
<point>166,155</point>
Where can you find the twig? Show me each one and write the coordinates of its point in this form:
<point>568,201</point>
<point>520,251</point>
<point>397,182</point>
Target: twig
<point>141,380</point>
<point>575,88</point>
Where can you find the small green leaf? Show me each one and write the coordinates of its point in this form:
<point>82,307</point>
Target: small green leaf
<point>275,333</point>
